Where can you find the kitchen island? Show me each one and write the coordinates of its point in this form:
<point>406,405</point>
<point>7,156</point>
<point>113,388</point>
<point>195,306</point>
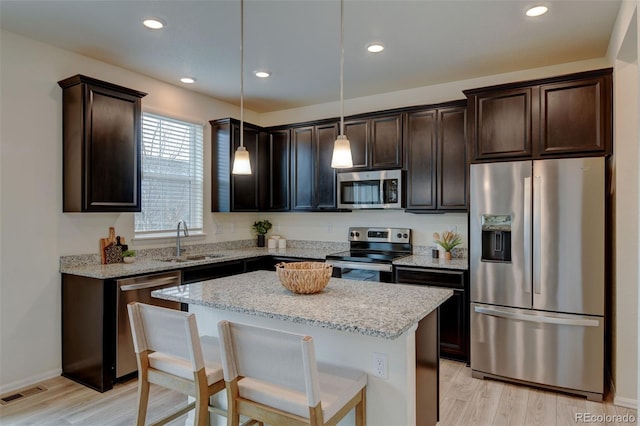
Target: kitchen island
<point>352,322</point>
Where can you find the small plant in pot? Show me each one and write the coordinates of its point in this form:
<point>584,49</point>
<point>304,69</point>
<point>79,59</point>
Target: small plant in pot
<point>128,256</point>
<point>448,242</point>
<point>261,227</point>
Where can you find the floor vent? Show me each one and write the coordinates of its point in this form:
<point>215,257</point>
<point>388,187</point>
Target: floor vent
<point>22,394</point>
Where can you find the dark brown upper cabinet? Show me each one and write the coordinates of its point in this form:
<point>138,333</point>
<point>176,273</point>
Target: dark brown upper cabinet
<point>376,141</point>
<point>435,145</point>
<point>101,146</point>
<point>503,125</point>
<point>562,116</point>
<point>276,168</point>
<point>235,192</point>
<point>313,181</point>
<point>575,116</point>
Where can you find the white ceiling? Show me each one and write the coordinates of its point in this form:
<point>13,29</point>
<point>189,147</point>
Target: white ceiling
<point>427,42</point>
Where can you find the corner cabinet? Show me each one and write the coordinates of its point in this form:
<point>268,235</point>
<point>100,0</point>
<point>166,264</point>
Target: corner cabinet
<point>563,116</point>
<point>454,312</point>
<point>313,181</point>
<point>101,146</point>
<point>436,160</point>
<point>267,187</point>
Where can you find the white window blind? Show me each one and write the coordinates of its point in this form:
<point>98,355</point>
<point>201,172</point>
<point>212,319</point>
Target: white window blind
<point>171,175</point>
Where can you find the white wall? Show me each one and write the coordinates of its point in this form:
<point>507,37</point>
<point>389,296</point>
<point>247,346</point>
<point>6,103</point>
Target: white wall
<point>624,51</point>
<point>35,232</point>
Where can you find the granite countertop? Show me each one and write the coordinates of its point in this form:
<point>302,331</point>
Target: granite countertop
<point>145,266</point>
<point>424,261</point>
<point>155,260</point>
<point>372,309</point>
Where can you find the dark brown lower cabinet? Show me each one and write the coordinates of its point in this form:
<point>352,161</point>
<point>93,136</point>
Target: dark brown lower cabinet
<point>454,313</point>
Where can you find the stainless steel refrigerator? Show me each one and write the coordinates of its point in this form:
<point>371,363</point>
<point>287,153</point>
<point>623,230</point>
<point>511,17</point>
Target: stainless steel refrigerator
<point>537,269</point>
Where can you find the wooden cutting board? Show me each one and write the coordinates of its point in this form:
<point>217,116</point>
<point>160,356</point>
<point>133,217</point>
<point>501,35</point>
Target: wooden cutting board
<point>105,243</point>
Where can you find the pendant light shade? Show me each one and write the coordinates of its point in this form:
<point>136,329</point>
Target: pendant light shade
<point>341,158</point>
<point>241,162</point>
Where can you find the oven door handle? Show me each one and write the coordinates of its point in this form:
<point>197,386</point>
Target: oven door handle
<point>382,267</point>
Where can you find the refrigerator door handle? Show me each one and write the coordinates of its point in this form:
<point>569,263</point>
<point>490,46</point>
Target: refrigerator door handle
<point>527,234</point>
<point>582,322</point>
<point>537,235</point>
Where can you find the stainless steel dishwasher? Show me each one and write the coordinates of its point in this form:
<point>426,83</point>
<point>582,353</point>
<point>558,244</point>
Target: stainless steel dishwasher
<point>138,289</point>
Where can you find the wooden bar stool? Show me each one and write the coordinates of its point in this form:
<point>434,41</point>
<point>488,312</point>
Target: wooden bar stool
<point>272,376</point>
<point>171,354</point>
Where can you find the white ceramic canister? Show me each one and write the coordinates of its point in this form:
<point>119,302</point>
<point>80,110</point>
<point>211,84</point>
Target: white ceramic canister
<point>282,243</point>
<point>272,243</point>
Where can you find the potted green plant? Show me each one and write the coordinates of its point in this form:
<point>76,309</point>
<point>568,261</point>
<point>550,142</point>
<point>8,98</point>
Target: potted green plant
<point>128,256</point>
<point>448,242</point>
<point>261,227</point>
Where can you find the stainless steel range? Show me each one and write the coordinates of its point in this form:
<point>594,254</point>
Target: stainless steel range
<point>371,254</point>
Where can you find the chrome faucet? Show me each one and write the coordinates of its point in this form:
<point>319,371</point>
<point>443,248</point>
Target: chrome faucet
<point>186,234</point>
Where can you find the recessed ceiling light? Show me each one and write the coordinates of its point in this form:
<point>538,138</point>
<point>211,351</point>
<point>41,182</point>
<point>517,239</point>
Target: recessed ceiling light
<point>537,11</point>
<point>262,74</point>
<point>375,48</point>
<point>188,80</point>
<point>154,23</point>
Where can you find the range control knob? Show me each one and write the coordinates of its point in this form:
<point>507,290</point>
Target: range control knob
<point>352,234</point>
<point>405,235</point>
<point>399,235</point>
<point>357,234</point>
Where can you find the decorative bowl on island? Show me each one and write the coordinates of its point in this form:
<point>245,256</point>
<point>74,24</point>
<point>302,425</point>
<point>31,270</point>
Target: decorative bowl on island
<point>304,277</point>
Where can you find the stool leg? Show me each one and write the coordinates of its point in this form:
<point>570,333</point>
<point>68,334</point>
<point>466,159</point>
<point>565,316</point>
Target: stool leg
<point>143,399</point>
<point>361,409</point>
<point>233,416</point>
<point>202,398</point>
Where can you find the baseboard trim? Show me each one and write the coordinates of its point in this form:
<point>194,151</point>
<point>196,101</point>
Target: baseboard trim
<point>21,384</point>
<point>625,402</point>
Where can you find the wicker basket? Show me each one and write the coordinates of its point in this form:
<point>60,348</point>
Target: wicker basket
<point>304,277</point>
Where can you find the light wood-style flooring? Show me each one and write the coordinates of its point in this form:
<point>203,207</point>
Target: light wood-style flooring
<point>463,401</point>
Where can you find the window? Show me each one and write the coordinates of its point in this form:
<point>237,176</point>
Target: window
<point>171,175</point>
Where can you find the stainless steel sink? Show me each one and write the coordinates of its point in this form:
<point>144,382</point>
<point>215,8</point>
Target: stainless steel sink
<point>173,260</point>
<point>192,258</point>
<point>205,256</point>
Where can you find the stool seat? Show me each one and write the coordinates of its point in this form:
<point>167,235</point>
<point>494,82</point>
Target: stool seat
<point>182,368</point>
<point>337,387</point>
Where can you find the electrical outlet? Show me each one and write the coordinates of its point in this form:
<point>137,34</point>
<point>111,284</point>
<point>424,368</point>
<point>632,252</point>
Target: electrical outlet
<point>233,228</point>
<point>380,365</point>
<point>329,227</point>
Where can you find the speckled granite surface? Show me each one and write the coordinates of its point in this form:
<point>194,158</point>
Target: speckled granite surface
<point>145,265</point>
<point>373,309</point>
<point>429,262</point>
<point>151,260</point>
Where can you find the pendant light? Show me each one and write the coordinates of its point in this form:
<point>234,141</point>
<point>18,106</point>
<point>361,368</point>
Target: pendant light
<point>241,162</point>
<point>341,158</point>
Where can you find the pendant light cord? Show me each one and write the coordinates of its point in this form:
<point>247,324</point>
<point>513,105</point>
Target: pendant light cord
<point>241,72</point>
<point>341,67</point>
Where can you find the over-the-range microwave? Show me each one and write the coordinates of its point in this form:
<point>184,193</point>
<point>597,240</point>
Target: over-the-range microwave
<point>380,189</point>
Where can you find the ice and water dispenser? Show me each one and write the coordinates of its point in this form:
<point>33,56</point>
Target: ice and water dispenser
<point>496,238</point>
